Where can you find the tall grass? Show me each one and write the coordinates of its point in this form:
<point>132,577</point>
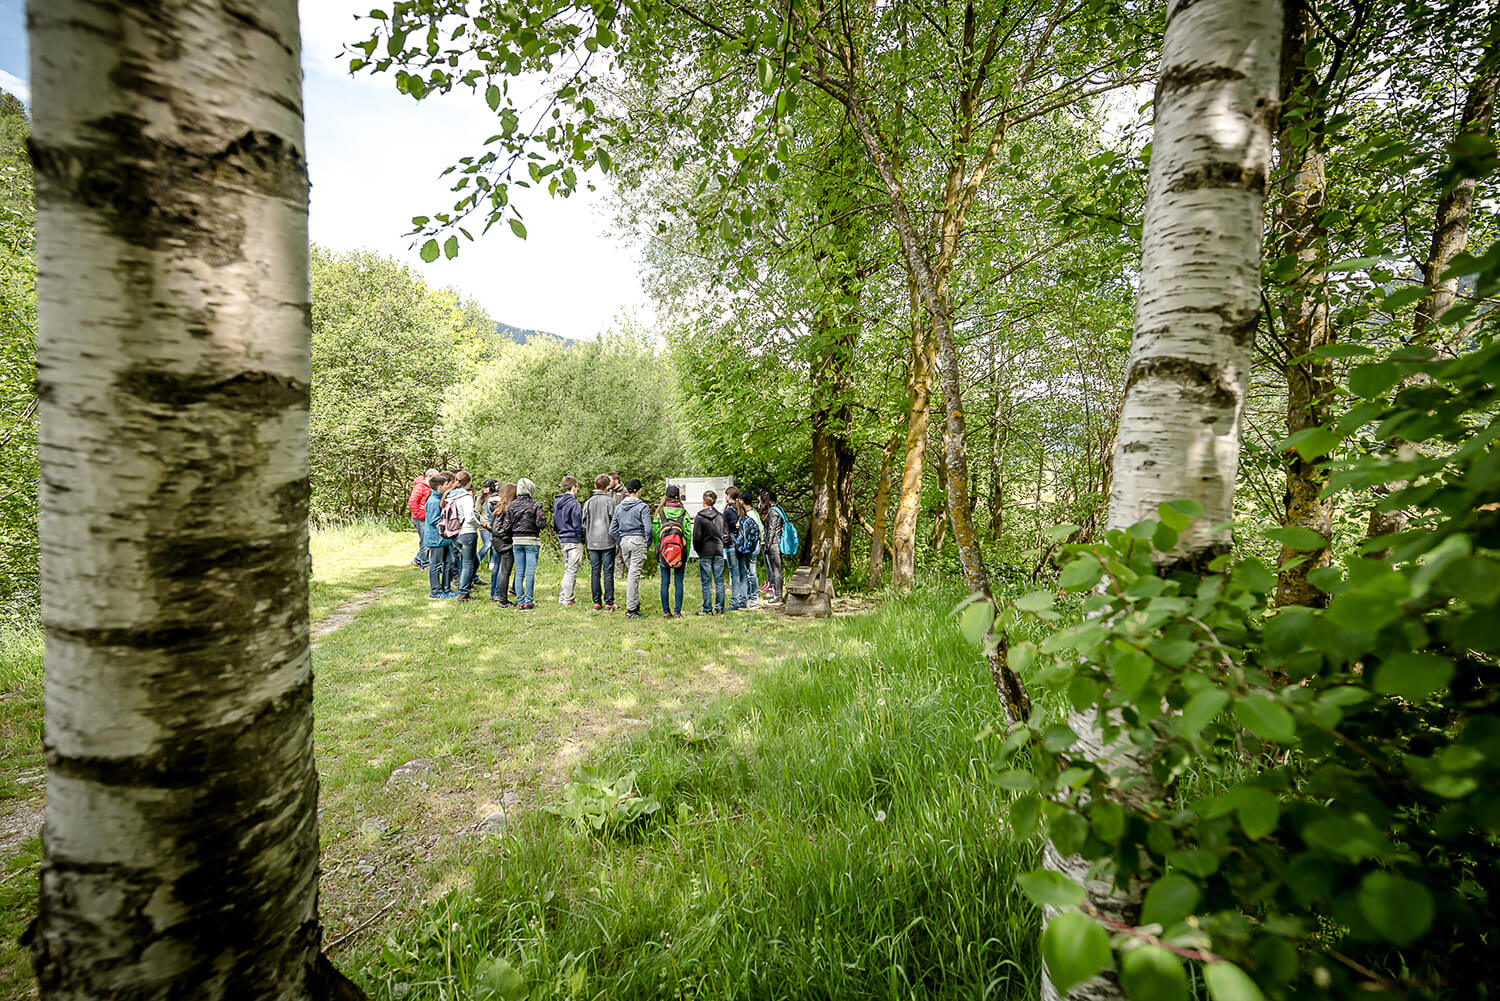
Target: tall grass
<point>830,833</point>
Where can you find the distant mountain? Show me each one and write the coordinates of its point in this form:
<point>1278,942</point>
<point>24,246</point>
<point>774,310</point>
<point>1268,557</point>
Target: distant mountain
<point>520,336</point>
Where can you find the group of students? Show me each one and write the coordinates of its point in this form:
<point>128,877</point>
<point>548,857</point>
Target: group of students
<point>614,526</point>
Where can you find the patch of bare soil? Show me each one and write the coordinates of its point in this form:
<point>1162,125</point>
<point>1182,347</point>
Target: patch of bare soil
<point>20,824</point>
<point>348,611</point>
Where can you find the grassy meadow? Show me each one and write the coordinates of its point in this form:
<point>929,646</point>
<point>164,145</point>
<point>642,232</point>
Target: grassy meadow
<point>824,826</point>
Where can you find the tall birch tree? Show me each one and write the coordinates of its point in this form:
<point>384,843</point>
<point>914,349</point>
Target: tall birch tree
<point>181,836</point>
<point>1196,313</point>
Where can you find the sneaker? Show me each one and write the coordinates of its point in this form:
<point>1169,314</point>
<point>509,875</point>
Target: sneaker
<point>435,595</point>
<point>612,608</point>
<point>632,615</point>
<point>598,607</point>
<point>567,604</point>
<point>703,611</point>
<point>463,597</point>
<point>666,615</point>
<point>676,615</point>
<point>505,604</point>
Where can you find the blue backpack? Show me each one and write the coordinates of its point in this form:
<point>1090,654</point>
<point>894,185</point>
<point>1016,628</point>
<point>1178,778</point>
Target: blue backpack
<point>789,539</point>
<point>747,538</point>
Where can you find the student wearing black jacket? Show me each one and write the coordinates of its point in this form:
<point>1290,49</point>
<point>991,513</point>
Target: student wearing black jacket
<point>709,534</point>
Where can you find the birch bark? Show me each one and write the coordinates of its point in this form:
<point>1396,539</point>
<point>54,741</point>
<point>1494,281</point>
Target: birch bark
<point>1196,314</point>
<point>173,357</point>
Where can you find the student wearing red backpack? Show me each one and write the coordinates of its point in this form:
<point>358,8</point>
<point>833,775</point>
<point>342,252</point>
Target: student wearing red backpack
<point>672,548</point>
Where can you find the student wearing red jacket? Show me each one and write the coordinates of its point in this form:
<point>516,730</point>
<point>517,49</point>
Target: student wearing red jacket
<point>416,503</point>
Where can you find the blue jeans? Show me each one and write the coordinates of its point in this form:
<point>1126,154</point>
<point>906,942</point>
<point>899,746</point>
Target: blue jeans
<point>749,574</point>
<point>420,524</point>
<point>711,578</point>
<point>668,575</point>
<point>486,543</point>
<point>737,565</point>
<point>465,544</point>
<point>732,575</point>
<point>437,569</point>
<point>602,569</point>
<point>526,573</point>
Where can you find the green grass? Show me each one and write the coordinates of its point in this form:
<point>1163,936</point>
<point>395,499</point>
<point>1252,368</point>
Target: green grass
<point>829,833</point>
<point>826,831</point>
<point>21,768</point>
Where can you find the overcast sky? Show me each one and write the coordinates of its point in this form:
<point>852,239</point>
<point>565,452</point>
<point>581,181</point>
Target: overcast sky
<point>375,156</point>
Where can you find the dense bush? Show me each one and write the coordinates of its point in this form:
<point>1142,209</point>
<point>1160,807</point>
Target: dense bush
<point>543,410</point>
<point>19,573</point>
<point>386,349</point>
<point>1312,795</point>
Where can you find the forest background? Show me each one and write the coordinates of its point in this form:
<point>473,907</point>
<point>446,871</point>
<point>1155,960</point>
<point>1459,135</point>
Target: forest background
<point>900,249</point>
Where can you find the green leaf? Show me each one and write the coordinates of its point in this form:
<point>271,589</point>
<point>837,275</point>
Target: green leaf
<point>1354,264</point>
<point>1413,676</point>
<point>1035,601</point>
<point>1227,982</point>
<point>1265,717</point>
<point>430,251</point>
<point>1075,948</point>
<point>1081,574</point>
<point>1170,899</point>
<point>1311,443</point>
<point>496,980</point>
<point>1297,537</point>
<point>975,621</point>
<point>1375,379</point>
<point>1050,889</point>
<point>1399,909</point>
<point>1405,297</point>
<point>1342,351</point>
<point>1057,533</point>
<point>1151,973</point>
<point>518,227</point>
<point>492,97</point>
<point>1258,811</point>
<point>450,247</point>
<point>1200,709</point>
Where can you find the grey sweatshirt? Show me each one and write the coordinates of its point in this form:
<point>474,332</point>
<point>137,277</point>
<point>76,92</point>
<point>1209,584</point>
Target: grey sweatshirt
<point>597,511</point>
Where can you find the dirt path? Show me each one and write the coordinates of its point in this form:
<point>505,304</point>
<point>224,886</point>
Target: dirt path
<point>347,612</point>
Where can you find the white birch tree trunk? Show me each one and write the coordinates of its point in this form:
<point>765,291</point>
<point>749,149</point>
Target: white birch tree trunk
<point>173,356</point>
<point>1196,311</point>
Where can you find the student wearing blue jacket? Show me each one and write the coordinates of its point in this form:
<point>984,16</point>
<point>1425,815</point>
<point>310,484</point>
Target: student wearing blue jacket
<point>567,521</point>
<point>438,568</point>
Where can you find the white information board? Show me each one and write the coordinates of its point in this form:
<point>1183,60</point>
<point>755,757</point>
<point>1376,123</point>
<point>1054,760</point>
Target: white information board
<point>692,488</point>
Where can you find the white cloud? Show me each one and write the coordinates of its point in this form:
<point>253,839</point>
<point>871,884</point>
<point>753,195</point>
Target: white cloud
<point>17,86</point>
<point>375,156</point>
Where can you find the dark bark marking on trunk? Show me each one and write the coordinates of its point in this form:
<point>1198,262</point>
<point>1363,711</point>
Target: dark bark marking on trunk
<point>1218,176</point>
<point>1202,383</point>
<point>1188,76</point>
<point>156,194</point>
<point>262,393</point>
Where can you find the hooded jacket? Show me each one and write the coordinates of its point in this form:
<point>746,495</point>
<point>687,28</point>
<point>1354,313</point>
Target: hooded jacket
<point>597,512</point>
<point>567,518</point>
<point>431,537</point>
<point>464,502</point>
<point>708,533</point>
<point>416,502</point>
<point>525,520</point>
<point>632,517</point>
